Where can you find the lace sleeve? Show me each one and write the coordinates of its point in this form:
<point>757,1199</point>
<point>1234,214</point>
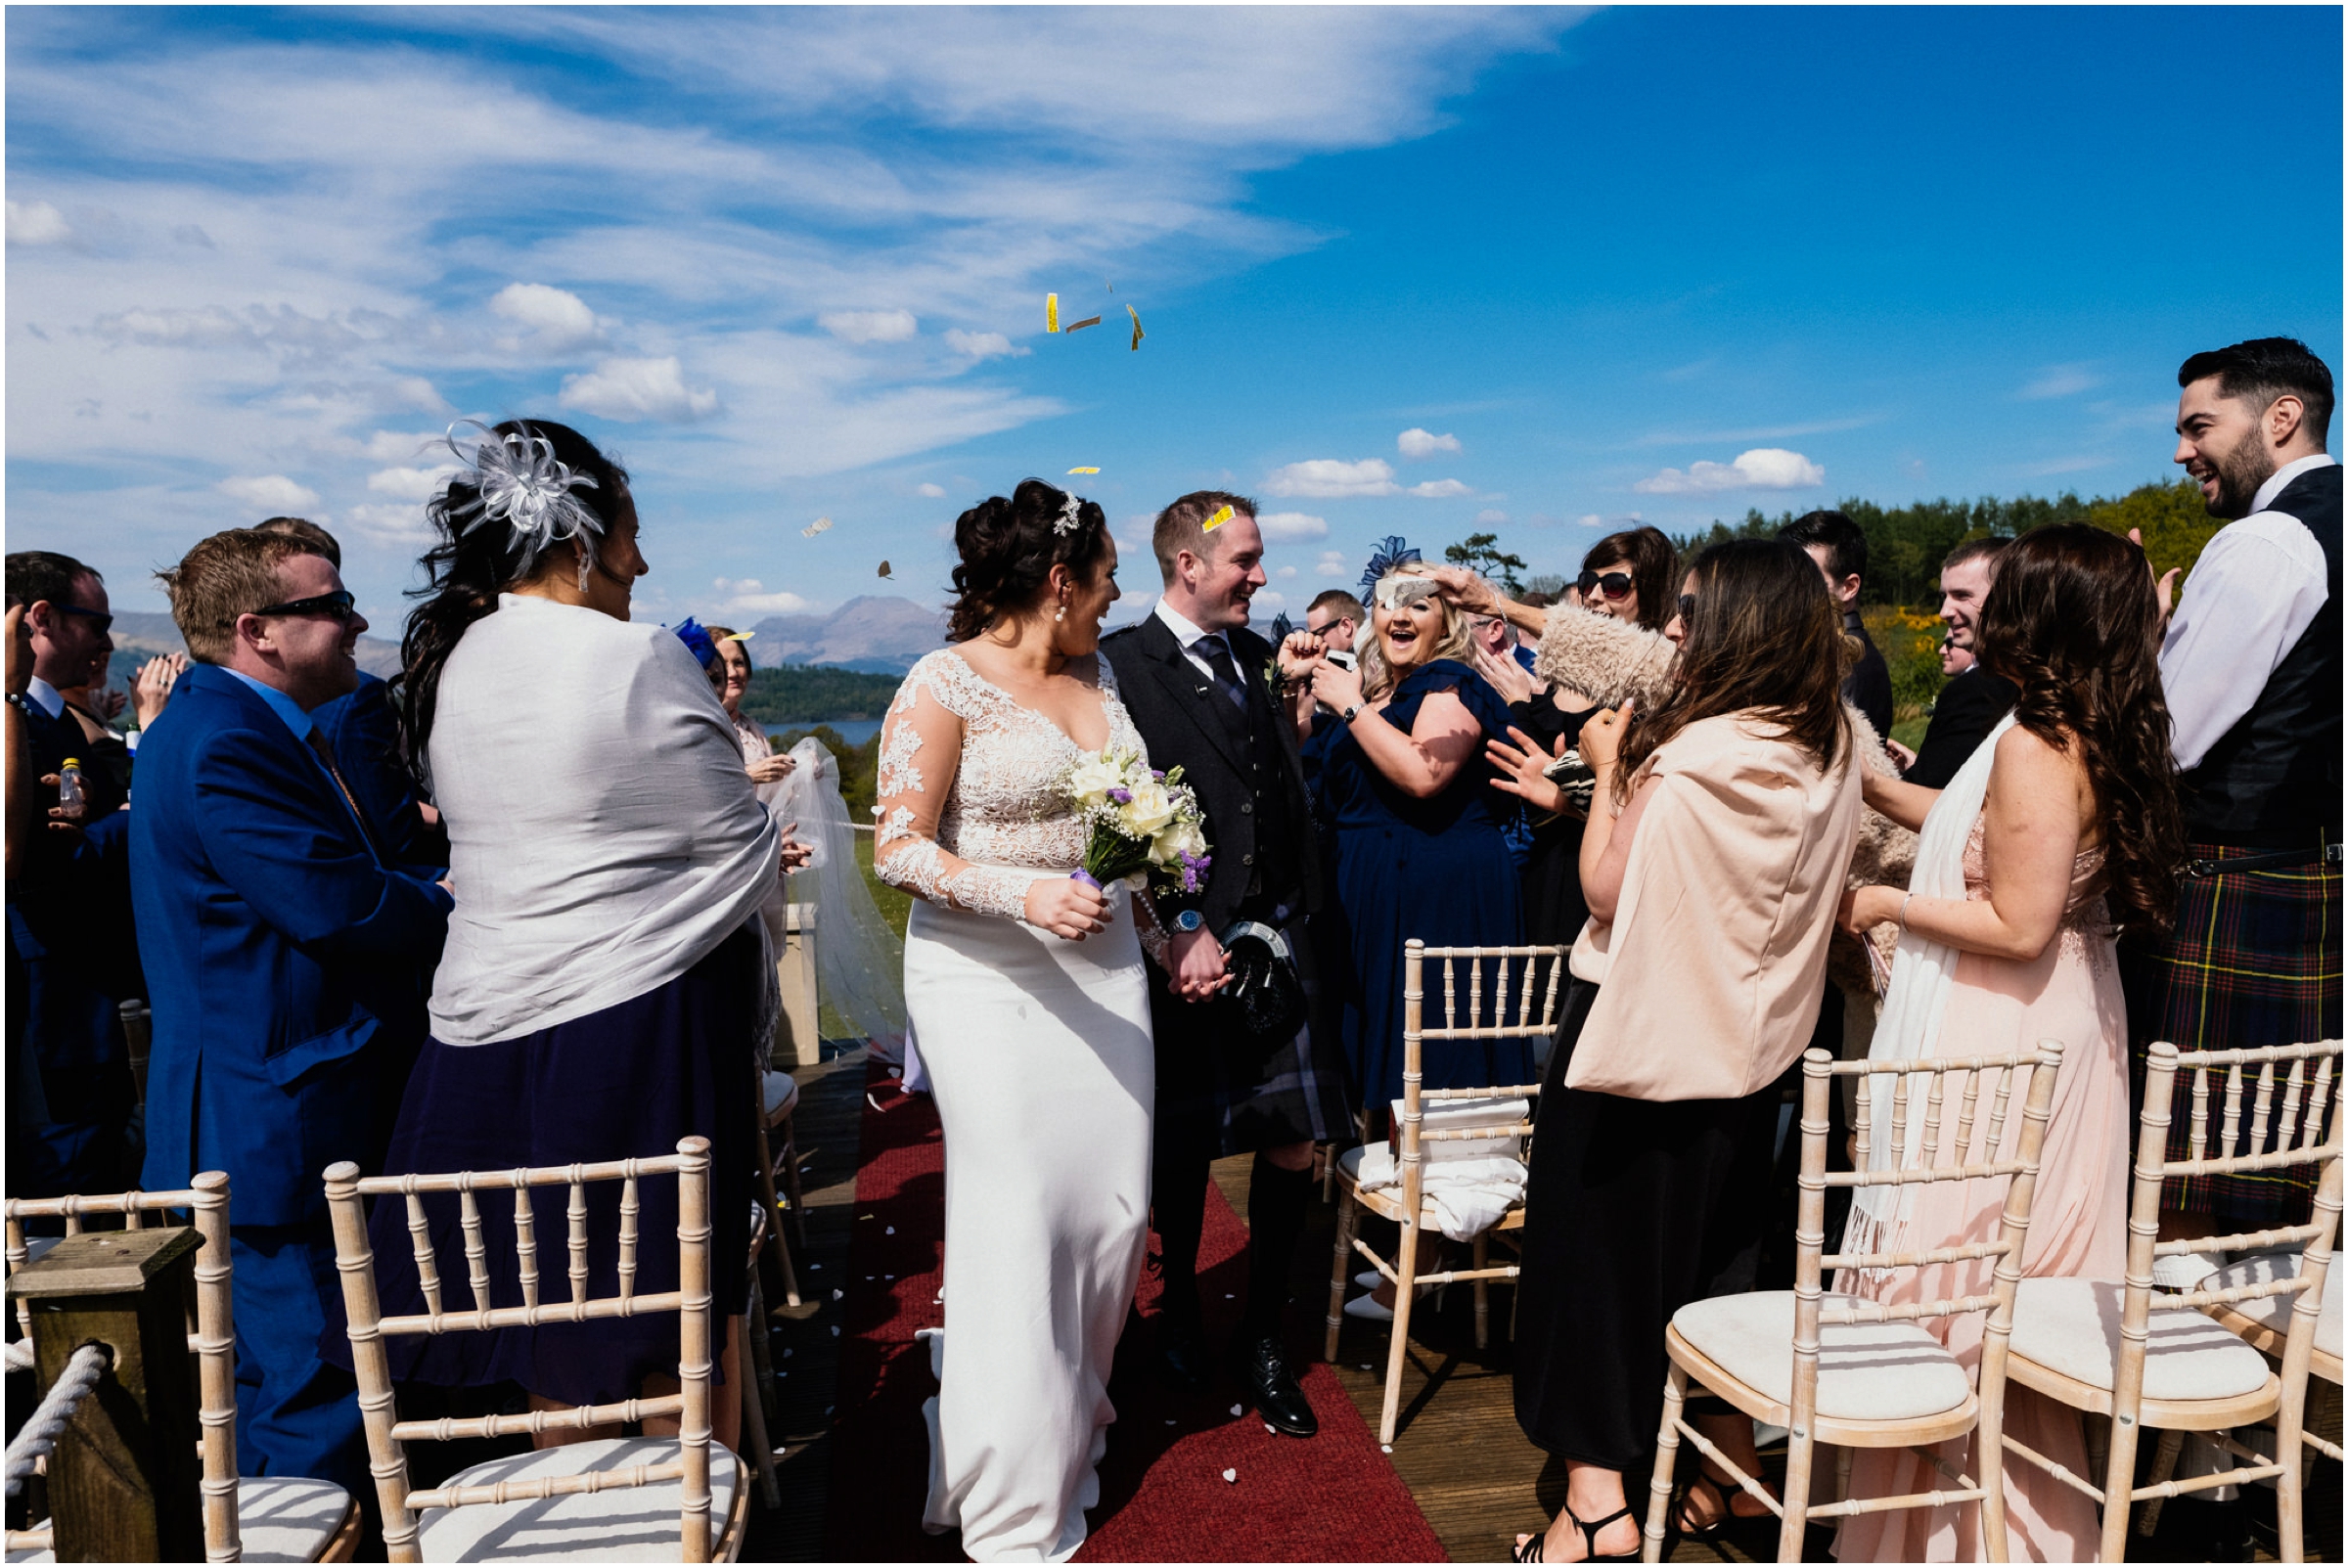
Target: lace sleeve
<point>921,750</point>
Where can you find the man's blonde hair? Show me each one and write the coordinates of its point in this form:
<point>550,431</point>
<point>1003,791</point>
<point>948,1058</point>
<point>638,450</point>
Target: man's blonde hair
<point>228,575</point>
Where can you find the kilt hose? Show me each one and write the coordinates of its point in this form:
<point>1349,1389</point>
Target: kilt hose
<point>2253,959</point>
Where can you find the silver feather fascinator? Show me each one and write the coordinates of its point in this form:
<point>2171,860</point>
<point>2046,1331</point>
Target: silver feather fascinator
<point>517,482</point>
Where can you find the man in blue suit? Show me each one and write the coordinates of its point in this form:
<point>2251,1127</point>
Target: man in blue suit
<point>282,944</point>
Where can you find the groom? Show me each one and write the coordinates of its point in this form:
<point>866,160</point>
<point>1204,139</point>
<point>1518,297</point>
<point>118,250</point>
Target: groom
<point>1192,677</point>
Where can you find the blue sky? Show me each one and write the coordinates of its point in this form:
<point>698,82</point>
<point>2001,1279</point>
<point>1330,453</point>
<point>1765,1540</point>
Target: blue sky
<point>1400,270</point>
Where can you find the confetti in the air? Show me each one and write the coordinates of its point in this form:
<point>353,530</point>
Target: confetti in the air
<point>1222,515</point>
<point>816,528</point>
<point>1084,470</point>
<point>1231,1476</point>
<point>1051,313</point>
<point>1079,326</point>
<point>1137,325</point>
<point>1239,1409</point>
<point>876,1105</point>
<point>884,568</point>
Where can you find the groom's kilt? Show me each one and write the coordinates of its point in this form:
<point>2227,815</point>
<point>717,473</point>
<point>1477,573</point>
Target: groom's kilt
<point>2253,959</point>
<point>1220,1092</point>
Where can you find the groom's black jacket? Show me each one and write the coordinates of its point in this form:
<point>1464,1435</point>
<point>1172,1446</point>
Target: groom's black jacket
<point>1246,769</point>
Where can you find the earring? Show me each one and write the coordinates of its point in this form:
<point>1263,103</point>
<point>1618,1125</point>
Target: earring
<point>1061,614</point>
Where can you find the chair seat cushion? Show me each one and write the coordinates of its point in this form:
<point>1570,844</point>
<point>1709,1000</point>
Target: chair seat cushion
<point>279,1518</point>
<point>2275,1312</point>
<point>1891,1371</point>
<point>628,1524</point>
<point>2072,1326</point>
<point>782,1094</point>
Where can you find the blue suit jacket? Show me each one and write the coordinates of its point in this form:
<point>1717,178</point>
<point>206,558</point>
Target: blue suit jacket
<point>281,953</point>
<point>363,729</point>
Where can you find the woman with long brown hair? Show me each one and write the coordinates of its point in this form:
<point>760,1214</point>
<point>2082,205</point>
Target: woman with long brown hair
<point>1723,821</point>
<point>2062,828</point>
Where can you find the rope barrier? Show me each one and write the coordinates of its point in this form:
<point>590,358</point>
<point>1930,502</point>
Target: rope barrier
<point>38,1438</point>
<point>17,1358</point>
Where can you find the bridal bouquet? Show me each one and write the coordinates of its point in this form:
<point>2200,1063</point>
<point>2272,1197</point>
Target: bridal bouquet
<point>1144,823</point>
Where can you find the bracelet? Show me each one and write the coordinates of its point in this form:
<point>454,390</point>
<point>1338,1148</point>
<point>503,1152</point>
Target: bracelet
<point>1904,911</point>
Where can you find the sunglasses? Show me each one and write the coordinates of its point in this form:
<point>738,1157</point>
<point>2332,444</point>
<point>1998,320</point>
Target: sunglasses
<point>1326,626</point>
<point>336,603</point>
<point>1686,609</point>
<point>103,620</point>
<point>1614,584</point>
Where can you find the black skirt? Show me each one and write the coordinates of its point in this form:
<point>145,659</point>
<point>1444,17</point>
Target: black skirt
<point>629,1081</point>
<point>1633,1209</point>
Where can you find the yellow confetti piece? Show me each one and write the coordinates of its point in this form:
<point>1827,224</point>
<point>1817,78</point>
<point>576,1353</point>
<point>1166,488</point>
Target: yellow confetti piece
<point>884,568</point>
<point>1137,325</point>
<point>1079,326</point>
<point>1222,515</point>
<point>1084,470</point>
<point>816,528</point>
<point>741,637</point>
<point>1051,313</point>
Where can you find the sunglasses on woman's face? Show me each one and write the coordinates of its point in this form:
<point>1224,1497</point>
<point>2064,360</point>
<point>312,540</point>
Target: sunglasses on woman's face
<point>1614,584</point>
<point>1686,609</point>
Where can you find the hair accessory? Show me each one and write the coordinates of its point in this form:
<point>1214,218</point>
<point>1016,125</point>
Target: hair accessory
<point>515,481</point>
<point>1222,515</point>
<point>1391,553</point>
<point>697,640</point>
<point>1069,521</point>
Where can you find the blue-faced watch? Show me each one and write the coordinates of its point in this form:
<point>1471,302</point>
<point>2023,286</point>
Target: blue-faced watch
<point>1189,920</point>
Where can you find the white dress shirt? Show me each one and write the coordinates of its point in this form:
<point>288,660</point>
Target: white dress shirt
<point>45,697</point>
<point>1190,637</point>
<point>2258,584</point>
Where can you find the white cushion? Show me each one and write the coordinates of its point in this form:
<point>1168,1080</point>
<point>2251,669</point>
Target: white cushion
<point>1892,1371</point>
<point>1486,1110</point>
<point>782,1094</point>
<point>2072,1326</point>
<point>629,1524</point>
<point>2275,1312</point>
<point>280,1520</point>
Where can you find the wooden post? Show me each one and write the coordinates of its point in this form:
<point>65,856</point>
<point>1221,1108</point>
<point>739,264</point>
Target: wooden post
<point>124,1482</point>
<point>795,972</point>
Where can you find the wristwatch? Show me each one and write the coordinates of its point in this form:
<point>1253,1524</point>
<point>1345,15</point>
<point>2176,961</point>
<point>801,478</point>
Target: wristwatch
<point>1346,717</point>
<point>1189,920</point>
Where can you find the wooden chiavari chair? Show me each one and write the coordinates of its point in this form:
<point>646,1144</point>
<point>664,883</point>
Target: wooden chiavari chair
<point>1862,1374</point>
<point>1524,1008</point>
<point>555,1502</point>
<point>248,1519</point>
<point>2116,1348</point>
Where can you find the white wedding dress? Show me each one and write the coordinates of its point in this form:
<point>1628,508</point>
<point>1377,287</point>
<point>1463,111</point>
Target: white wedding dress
<point>1038,1052</point>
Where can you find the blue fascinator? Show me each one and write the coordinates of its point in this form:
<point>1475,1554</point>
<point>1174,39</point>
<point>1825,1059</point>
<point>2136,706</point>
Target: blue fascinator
<point>1390,554</point>
<point>697,641</point>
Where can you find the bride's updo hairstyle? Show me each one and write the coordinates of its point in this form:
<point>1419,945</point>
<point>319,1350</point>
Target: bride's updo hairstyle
<point>1009,548</point>
<point>530,485</point>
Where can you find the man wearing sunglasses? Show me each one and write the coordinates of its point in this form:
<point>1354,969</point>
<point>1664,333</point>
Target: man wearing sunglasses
<point>70,1096</point>
<point>282,943</point>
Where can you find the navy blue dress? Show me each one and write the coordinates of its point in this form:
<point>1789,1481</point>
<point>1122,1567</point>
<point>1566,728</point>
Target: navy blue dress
<point>1437,870</point>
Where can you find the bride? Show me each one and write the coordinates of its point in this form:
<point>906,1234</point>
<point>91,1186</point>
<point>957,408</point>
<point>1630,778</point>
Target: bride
<point>1025,992</point>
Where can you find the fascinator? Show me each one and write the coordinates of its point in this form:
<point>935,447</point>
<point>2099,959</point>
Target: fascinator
<point>697,641</point>
<point>516,480</point>
<point>1390,554</point>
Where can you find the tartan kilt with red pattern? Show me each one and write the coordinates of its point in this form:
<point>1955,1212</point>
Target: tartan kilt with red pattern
<point>2253,959</point>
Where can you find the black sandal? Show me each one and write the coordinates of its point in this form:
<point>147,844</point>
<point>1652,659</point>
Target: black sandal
<point>1530,1550</point>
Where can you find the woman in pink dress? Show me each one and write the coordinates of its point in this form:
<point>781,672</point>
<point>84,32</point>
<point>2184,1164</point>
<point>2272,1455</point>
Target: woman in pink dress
<point>2052,836</point>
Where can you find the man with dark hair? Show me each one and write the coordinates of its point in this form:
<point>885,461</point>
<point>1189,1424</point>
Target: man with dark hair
<point>282,945</point>
<point>1335,617</point>
<point>2251,665</point>
<point>1193,678</point>
<point>1835,541</point>
<point>68,914</point>
<point>1973,701</point>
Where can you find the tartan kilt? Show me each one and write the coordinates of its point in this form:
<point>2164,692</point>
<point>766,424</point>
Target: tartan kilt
<point>2253,959</point>
<point>1220,1092</point>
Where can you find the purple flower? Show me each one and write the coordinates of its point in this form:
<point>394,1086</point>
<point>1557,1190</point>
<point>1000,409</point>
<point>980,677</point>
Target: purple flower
<point>1123,797</point>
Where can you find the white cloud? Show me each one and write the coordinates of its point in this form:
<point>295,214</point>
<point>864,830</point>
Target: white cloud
<point>871,326</point>
<point>632,389</point>
<point>1591,520</point>
<point>1284,572</point>
<point>1764,467</point>
<point>1291,527</point>
<point>36,223</point>
<point>1491,515</point>
<point>934,492</point>
<point>747,594</point>
<point>271,492</point>
<point>2060,381</point>
<point>1439,489</point>
<point>389,524</point>
<point>556,319</point>
<point>1329,477</point>
<point>1418,443</point>
<point>982,345</point>
<point>1335,564</point>
<point>397,446</point>
<point>1271,598</point>
<point>409,484</point>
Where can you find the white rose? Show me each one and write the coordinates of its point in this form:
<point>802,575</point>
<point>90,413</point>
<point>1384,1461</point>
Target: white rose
<point>1091,781</point>
<point>1150,809</point>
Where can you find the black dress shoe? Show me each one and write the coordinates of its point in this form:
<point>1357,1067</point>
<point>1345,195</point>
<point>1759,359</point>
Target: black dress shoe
<point>1182,1356</point>
<point>1263,1371</point>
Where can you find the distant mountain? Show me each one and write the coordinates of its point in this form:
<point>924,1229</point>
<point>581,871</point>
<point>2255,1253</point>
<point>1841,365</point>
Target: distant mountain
<point>146,633</point>
<point>879,635</point>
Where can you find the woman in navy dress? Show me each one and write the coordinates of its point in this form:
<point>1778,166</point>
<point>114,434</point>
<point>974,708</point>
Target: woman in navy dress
<point>1419,852</point>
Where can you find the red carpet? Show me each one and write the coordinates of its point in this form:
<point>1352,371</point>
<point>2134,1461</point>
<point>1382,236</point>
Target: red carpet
<point>1163,1498</point>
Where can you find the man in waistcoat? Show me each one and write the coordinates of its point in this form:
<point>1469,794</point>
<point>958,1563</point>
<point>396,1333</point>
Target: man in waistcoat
<point>1193,678</point>
<point>2251,665</point>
